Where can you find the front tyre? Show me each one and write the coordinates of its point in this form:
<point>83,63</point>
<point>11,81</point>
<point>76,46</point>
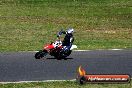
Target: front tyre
<point>40,54</point>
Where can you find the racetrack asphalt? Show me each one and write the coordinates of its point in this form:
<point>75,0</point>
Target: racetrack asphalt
<point>22,66</point>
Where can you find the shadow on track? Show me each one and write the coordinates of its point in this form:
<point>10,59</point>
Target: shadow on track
<point>60,59</point>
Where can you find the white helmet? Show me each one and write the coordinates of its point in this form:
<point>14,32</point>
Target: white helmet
<point>70,30</point>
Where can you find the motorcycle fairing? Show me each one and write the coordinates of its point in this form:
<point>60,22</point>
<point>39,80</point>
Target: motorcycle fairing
<point>48,47</point>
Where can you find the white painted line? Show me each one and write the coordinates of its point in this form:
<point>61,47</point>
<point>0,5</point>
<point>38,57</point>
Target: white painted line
<point>82,50</point>
<point>98,49</point>
<point>32,51</point>
<point>115,49</point>
<point>27,51</point>
<point>78,50</point>
<point>38,81</point>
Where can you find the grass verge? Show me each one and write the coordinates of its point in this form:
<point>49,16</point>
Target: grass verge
<point>26,25</point>
<point>65,84</point>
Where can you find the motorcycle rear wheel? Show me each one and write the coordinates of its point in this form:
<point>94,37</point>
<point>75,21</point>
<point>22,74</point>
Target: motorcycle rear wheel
<point>63,55</point>
<point>66,53</point>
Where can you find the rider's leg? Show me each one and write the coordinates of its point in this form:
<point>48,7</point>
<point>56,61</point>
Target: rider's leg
<point>66,48</point>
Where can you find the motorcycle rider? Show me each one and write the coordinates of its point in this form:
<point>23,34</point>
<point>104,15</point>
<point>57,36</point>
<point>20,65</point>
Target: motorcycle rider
<point>68,39</point>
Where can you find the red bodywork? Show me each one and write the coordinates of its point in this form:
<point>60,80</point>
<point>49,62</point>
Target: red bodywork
<point>48,47</point>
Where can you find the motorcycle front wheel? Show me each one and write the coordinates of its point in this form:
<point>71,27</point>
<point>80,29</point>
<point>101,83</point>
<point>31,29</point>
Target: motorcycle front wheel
<point>40,54</point>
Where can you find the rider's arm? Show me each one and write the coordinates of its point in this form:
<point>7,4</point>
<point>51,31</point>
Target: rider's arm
<point>60,33</point>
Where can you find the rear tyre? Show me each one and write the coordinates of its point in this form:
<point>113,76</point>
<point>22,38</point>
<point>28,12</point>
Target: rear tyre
<point>58,58</point>
<point>63,55</point>
<point>66,54</point>
<point>65,58</point>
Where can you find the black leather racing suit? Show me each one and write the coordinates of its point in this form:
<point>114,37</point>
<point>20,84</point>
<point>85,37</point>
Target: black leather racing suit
<point>68,40</point>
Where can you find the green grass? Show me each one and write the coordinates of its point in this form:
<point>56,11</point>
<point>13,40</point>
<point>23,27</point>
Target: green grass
<point>66,84</point>
<point>26,25</point>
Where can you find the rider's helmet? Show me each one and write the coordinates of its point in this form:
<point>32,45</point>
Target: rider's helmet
<point>70,31</point>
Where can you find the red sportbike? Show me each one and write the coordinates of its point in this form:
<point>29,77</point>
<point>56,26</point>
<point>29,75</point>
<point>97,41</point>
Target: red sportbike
<point>55,49</point>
